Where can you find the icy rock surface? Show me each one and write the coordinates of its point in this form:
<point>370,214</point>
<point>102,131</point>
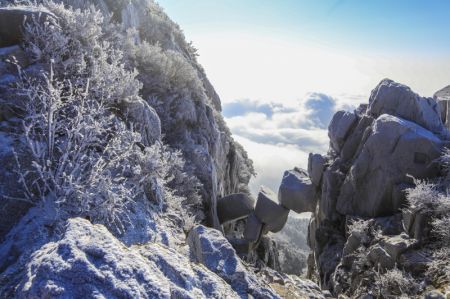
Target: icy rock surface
<point>78,259</point>
<point>442,97</point>
<point>210,248</point>
<point>12,20</point>
<point>396,99</point>
<point>396,148</point>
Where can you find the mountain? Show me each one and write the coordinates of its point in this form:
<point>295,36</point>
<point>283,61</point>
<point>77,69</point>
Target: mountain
<point>120,179</point>
<point>114,155</point>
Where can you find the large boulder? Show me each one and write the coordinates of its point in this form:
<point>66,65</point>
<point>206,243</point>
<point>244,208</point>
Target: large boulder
<point>316,166</point>
<point>353,143</point>
<point>340,126</point>
<point>77,259</point>
<point>396,150</point>
<point>269,211</point>
<point>442,97</point>
<point>253,228</point>
<point>13,20</point>
<point>210,248</point>
<point>297,193</point>
<point>234,206</point>
<point>142,117</point>
<point>331,184</point>
<point>396,99</point>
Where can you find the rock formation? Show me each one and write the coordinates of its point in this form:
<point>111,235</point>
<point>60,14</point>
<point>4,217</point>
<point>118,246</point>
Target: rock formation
<point>377,153</point>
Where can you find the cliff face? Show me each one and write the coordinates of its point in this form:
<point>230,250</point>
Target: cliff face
<point>187,106</point>
<point>113,153</point>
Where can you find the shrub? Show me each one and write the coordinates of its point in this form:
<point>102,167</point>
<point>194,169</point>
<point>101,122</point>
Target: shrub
<point>85,159</point>
<point>396,283</point>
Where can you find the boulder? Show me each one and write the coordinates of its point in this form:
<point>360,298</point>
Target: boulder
<point>253,228</point>
<point>297,193</point>
<point>417,223</point>
<point>396,99</point>
<point>352,243</point>
<point>442,97</point>
<point>77,259</point>
<point>340,127</point>
<point>389,225</point>
<point>327,263</point>
<point>396,245</point>
<point>396,150</point>
<point>142,117</point>
<point>312,232</point>
<point>209,247</point>
<point>316,166</point>
<point>269,211</point>
<point>352,144</point>
<point>13,20</point>
<point>331,183</point>
<point>234,206</point>
<point>381,258</point>
<point>361,109</point>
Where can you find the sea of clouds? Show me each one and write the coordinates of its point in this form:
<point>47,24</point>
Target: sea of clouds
<point>279,136</point>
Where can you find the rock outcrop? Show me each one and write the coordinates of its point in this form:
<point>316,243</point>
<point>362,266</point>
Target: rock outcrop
<point>13,21</point>
<point>79,259</point>
<point>234,207</point>
<point>395,150</point>
<point>210,248</point>
<point>396,99</point>
<point>442,97</point>
<point>270,211</point>
<point>297,192</point>
<point>375,154</point>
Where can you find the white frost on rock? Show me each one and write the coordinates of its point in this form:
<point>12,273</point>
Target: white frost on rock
<point>396,99</point>
<point>210,248</point>
<point>77,259</point>
<point>397,148</point>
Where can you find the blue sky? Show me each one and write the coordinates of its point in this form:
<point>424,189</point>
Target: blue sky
<point>283,67</point>
<point>401,25</point>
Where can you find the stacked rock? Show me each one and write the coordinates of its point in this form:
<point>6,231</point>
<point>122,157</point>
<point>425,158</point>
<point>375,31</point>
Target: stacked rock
<point>270,213</point>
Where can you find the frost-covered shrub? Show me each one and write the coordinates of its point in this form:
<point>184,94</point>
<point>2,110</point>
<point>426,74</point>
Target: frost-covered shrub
<point>85,159</point>
<point>396,283</point>
<point>157,27</point>
<point>359,226</point>
<point>82,50</point>
<point>425,196</point>
<point>433,198</point>
<point>441,227</point>
<point>171,72</point>
<point>439,269</point>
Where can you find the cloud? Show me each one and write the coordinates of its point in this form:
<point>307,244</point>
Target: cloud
<point>271,161</point>
<point>244,106</point>
<point>280,136</point>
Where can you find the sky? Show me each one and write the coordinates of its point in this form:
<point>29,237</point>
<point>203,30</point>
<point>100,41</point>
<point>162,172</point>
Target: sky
<point>283,67</point>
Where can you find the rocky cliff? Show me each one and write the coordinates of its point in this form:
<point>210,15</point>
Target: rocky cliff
<point>114,159</point>
<point>379,198</point>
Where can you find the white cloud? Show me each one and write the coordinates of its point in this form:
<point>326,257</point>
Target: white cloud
<point>271,161</point>
<point>279,137</point>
